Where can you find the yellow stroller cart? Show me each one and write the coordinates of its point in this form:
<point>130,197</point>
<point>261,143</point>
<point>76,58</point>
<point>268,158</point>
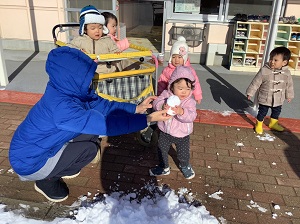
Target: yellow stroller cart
<point>132,85</point>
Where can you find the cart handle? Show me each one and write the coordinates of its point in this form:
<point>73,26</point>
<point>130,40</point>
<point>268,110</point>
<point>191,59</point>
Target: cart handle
<point>61,26</point>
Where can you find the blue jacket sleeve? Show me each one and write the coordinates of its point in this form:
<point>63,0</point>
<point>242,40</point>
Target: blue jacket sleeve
<point>107,107</point>
<point>116,120</point>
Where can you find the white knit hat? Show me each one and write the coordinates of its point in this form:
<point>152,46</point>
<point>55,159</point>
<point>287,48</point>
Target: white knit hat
<point>89,14</point>
<point>180,47</point>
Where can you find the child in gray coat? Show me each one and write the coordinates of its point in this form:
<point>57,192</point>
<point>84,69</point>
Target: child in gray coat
<point>274,84</point>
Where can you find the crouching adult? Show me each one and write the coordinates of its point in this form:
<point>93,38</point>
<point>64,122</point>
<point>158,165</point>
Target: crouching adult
<point>59,136</point>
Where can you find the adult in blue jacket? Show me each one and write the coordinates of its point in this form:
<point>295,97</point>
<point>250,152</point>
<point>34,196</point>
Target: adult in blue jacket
<point>59,136</point>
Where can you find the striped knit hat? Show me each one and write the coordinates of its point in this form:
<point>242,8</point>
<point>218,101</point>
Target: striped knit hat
<point>89,14</point>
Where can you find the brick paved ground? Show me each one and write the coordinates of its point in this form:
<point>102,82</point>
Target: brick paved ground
<point>265,172</point>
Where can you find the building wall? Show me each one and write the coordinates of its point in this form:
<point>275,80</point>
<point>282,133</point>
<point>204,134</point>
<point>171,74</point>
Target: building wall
<point>220,33</point>
<point>23,22</point>
<point>293,9</point>
<point>134,14</point>
<point>212,33</point>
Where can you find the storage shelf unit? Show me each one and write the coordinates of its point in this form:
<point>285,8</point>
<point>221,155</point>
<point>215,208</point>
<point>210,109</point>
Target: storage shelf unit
<point>248,45</point>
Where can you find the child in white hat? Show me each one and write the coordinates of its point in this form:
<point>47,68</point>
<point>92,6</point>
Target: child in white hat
<point>93,39</point>
<point>178,57</point>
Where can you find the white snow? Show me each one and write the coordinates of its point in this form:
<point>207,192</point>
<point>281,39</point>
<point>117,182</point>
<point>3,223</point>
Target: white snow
<point>227,113</point>
<point>162,206</point>
<point>216,195</point>
<point>255,205</point>
<point>266,137</point>
<point>239,144</point>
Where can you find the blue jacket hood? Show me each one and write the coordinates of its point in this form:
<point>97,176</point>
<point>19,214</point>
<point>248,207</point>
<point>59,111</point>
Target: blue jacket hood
<point>77,68</point>
<point>67,109</point>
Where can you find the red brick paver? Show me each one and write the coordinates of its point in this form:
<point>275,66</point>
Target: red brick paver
<point>260,172</point>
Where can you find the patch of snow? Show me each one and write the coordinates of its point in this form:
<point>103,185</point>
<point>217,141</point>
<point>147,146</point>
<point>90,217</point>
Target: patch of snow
<point>216,195</point>
<point>274,215</point>
<point>266,137</point>
<point>10,171</point>
<point>161,206</point>
<point>255,205</point>
<point>239,144</point>
<point>222,220</point>
<point>227,113</point>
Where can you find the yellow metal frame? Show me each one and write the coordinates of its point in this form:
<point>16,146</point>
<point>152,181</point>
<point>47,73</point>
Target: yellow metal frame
<point>149,70</point>
<point>142,52</point>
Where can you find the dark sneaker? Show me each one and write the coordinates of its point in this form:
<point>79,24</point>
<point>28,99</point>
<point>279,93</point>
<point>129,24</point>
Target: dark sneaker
<point>53,190</point>
<point>147,135</point>
<point>188,172</point>
<point>158,171</point>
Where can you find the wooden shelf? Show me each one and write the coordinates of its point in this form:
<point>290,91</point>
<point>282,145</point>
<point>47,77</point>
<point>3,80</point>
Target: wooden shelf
<point>254,37</point>
<point>281,31</point>
<point>281,39</point>
<point>253,45</point>
<point>250,51</point>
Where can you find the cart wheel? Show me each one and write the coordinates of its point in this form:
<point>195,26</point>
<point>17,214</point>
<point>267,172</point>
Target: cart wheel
<point>154,139</point>
<point>142,59</point>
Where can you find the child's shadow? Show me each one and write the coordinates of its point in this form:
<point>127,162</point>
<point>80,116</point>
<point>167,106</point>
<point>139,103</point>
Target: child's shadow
<point>232,97</point>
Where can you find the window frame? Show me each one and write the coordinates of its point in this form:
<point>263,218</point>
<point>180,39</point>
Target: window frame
<point>221,17</point>
<point>195,17</point>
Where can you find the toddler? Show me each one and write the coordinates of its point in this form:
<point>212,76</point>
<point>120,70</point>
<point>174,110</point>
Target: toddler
<point>111,22</point>
<point>178,128</point>
<point>274,84</point>
<point>178,57</point>
<point>91,38</point>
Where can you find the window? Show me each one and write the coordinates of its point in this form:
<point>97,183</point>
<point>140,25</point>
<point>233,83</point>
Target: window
<point>199,10</point>
<point>103,4</point>
<point>218,10</point>
<point>197,6</point>
<point>74,7</point>
<point>254,7</point>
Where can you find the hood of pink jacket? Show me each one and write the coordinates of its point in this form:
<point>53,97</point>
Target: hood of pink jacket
<point>181,72</point>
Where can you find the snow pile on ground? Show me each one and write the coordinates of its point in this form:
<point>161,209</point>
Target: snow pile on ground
<point>161,206</point>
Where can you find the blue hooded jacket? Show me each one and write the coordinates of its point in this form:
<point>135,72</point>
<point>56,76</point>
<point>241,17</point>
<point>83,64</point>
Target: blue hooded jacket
<point>68,108</point>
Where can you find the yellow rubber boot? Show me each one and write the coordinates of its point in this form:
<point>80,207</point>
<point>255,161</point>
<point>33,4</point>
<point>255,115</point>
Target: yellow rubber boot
<point>258,127</point>
<point>274,125</point>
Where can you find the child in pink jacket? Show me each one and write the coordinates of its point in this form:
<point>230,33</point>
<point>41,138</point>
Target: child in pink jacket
<point>178,57</point>
<point>178,128</point>
<point>111,22</point>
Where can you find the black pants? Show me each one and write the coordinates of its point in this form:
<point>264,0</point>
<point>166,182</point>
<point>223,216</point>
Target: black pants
<point>263,110</point>
<point>80,152</point>
<point>182,147</point>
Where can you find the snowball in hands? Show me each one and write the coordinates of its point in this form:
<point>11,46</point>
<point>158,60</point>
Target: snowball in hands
<point>172,101</point>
